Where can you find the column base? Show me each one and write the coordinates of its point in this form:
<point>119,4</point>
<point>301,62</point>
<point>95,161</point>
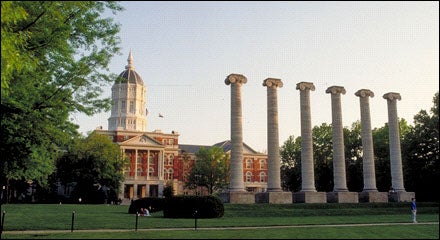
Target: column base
<point>400,196</point>
<point>342,197</point>
<point>238,197</point>
<point>274,197</point>
<point>309,197</point>
<point>126,201</point>
<point>373,197</point>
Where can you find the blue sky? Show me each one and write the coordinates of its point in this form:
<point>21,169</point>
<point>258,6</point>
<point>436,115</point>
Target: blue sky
<point>184,50</point>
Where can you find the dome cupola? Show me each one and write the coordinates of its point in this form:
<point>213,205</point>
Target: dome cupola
<point>129,75</point>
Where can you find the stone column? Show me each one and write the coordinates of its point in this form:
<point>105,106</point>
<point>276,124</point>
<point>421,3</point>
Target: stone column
<point>236,167</point>
<point>367,141</point>
<point>394,138</point>
<point>307,170</point>
<point>273,153</point>
<point>340,183</point>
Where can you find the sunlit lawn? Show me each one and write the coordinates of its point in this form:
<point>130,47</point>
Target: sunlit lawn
<point>123,225</point>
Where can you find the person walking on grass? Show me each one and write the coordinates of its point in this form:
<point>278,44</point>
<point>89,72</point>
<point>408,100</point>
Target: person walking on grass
<point>414,210</point>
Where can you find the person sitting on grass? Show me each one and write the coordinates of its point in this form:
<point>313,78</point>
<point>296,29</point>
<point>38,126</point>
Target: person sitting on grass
<point>144,212</point>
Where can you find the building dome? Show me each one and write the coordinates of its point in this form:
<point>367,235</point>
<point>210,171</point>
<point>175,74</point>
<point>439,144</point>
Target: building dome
<point>129,75</point>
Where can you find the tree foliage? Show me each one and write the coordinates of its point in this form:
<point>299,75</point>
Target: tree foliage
<point>353,157</point>
<point>420,147</point>
<point>323,157</point>
<point>168,190</point>
<point>53,63</point>
<point>290,153</point>
<point>94,163</point>
<point>211,169</point>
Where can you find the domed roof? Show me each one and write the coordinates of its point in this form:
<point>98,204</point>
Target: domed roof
<point>129,75</point>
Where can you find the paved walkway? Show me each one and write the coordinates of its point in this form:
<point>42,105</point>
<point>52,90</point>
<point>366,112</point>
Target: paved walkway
<point>214,228</point>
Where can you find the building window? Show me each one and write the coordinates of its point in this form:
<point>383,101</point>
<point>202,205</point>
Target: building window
<point>169,159</point>
<point>131,106</point>
<point>248,177</point>
<point>168,174</point>
<point>123,106</point>
<point>262,164</point>
<point>249,163</point>
<point>115,105</point>
<point>262,177</point>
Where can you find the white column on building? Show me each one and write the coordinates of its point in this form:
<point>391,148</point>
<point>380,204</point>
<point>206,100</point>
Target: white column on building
<point>161,164</point>
<point>135,189</point>
<point>148,164</point>
<point>367,141</point>
<point>394,138</point>
<point>136,155</point>
<point>339,178</point>
<point>307,168</point>
<point>236,167</point>
<point>273,152</point>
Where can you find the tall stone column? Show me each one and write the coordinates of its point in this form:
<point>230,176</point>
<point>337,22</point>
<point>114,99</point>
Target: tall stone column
<point>340,183</point>
<point>367,141</point>
<point>307,170</point>
<point>236,167</point>
<point>273,153</point>
<point>394,138</point>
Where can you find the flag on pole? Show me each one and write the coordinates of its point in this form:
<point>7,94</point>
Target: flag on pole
<point>160,115</point>
<point>146,111</point>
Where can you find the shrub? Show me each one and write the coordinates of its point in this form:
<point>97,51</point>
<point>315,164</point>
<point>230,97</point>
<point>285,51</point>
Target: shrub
<point>153,204</point>
<point>186,207</point>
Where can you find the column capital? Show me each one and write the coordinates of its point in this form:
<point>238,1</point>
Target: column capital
<point>235,78</point>
<point>392,96</point>
<point>273,82</point>
<point>335,90</point>
<point>364,93</point>
<point>305,86</point>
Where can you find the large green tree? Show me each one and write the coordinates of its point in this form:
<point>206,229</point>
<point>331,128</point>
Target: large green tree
<point>290,153</point>
<point>53,63</point>
<point>95,164</point>
<point>420,148</point>
<point>323,157</point>
<point>353,156</point>
<point>211,169</point>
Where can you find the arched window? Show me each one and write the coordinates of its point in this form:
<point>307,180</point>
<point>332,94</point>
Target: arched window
<point>150,171</point>
<point>248,177</point>
<point>249,164</point>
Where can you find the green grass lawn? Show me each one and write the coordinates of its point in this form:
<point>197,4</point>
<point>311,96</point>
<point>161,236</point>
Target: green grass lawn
<point>120,224</point>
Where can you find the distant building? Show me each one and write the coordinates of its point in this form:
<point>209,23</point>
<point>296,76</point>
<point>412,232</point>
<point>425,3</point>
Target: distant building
<point>156,158</point>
